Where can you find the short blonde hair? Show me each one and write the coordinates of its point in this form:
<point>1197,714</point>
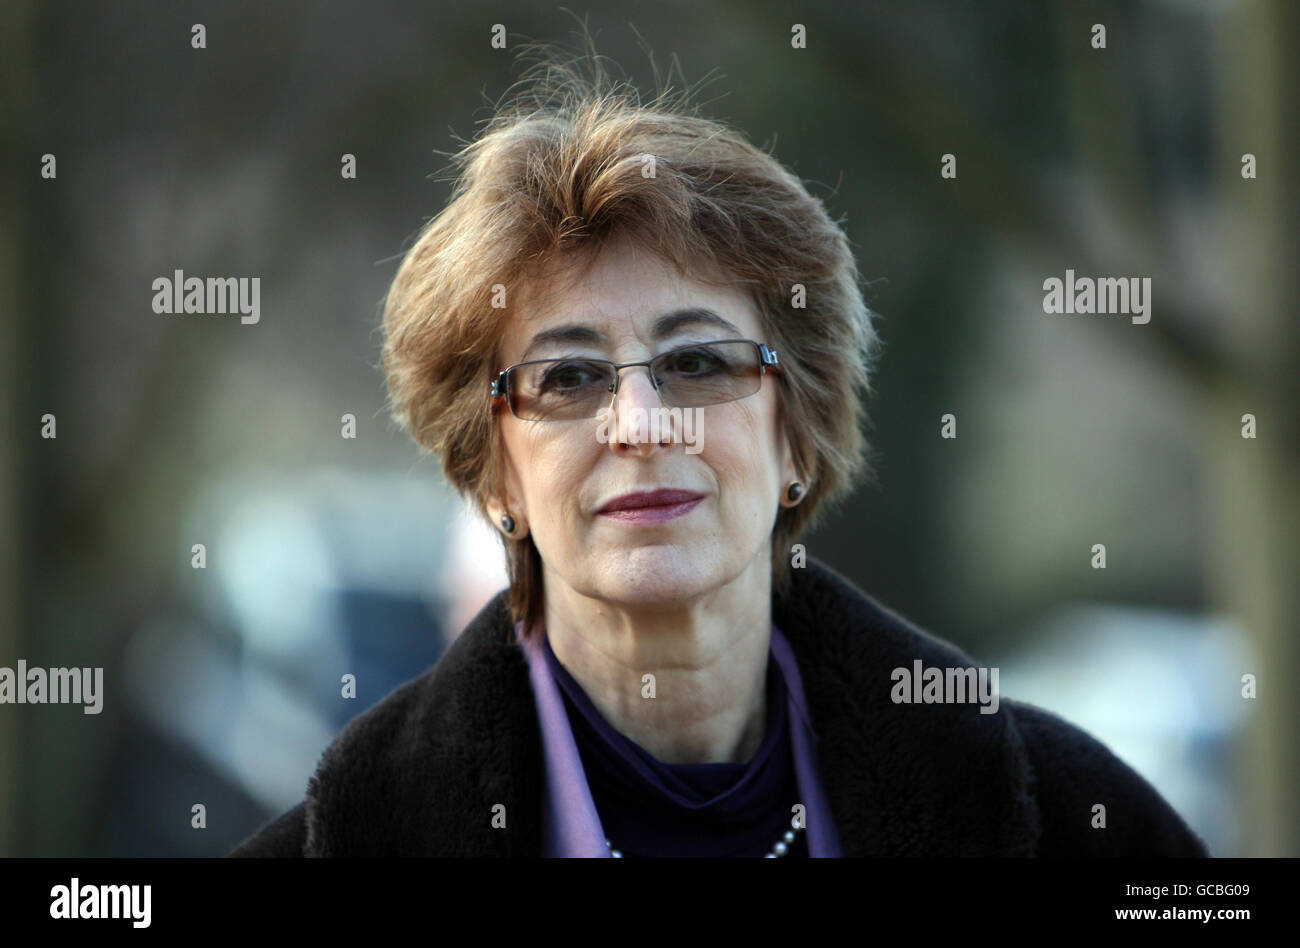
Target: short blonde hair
<point>555,175</point>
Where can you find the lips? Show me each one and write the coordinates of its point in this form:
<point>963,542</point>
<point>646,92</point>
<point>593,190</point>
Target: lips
<point>653,498</point>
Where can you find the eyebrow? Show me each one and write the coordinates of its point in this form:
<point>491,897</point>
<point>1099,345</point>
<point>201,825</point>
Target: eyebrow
<point>664,327</point>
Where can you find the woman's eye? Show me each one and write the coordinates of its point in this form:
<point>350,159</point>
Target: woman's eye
<point>694,362</point>
<point>568,376</point>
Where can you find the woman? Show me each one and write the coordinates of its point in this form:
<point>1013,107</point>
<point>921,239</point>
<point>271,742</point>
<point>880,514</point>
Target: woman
<point>639,345</point>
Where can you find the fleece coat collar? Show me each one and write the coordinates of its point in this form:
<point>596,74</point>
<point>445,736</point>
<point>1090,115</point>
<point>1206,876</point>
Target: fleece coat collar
<point>424,772</point>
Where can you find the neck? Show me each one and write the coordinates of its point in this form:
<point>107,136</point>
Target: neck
<point>708,657</point>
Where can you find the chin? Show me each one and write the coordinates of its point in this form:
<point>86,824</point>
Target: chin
<point>649,574</point>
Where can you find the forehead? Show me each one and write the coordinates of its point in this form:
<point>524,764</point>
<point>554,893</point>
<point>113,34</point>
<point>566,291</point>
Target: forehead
<point>627,299</point>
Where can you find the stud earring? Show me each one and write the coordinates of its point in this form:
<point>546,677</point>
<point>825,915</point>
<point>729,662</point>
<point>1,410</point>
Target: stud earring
<point>508,524</point>
<point>794,492</point>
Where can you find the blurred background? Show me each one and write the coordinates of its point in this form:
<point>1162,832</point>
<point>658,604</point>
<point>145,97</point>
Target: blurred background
<point>328,556</point>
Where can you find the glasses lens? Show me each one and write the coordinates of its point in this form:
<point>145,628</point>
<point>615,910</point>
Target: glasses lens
<point>709,373</point>
<point>559,389</point>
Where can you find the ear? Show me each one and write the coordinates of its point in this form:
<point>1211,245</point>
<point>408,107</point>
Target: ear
<point>788,471</point>
<point>505,497</point>
<point>786,453</point>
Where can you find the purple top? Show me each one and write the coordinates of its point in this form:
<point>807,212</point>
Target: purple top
<point>683,793</point>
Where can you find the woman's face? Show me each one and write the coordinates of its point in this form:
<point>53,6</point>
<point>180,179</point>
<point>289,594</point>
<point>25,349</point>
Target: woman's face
<point>559,474</point>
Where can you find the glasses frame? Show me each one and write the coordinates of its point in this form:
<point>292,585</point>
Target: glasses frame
<point>767,359</point>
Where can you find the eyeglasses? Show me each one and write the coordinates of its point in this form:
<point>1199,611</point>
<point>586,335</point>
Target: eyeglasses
<point>690,376</point>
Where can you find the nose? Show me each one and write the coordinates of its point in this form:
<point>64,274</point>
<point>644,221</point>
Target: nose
<point>636,421</point>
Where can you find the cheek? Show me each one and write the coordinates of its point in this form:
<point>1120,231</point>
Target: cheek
<point>556,466</point>
<point>740,457</point>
